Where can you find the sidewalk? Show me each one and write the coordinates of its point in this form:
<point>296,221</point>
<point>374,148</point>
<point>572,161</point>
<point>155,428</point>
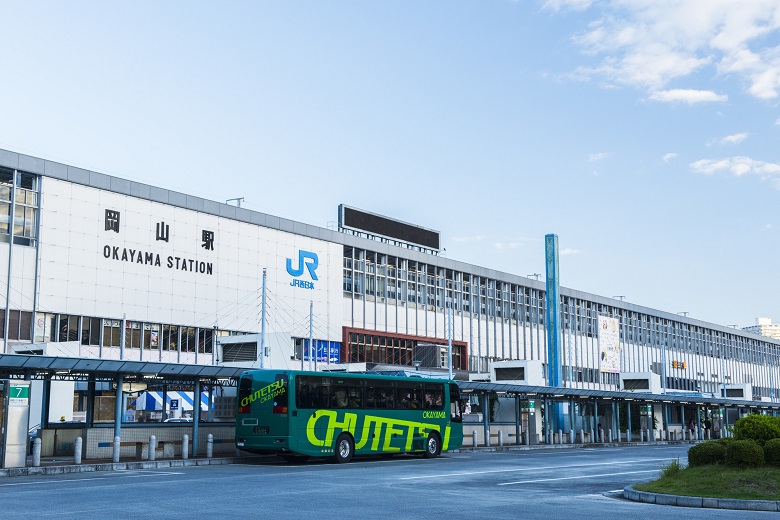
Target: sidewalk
<point>61,465</point>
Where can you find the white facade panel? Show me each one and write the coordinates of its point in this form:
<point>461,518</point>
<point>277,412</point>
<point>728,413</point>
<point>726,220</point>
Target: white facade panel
<point>138,274</point>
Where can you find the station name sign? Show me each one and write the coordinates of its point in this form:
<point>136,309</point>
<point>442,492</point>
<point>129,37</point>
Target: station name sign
<point>162,233</point>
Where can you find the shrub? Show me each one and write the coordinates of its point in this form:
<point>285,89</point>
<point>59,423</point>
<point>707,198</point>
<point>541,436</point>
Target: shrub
<point>772,452</point>
<point>709,452</point>
<point>744,453</point>
<point>672,469</point>
<point>759,428</point>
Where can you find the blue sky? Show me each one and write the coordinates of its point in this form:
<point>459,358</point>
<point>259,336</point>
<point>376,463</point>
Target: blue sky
<point>644,133</point>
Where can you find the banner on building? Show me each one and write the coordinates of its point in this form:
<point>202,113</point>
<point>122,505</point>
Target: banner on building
<point>609,344</point>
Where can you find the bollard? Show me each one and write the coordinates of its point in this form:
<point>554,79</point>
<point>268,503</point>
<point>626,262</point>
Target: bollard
<point>571,435</point>
<point>117,444</point>
<point>527,438</point>
<point>560,436</point>
<point>210,446</point>
<point>601,434</point>
<point>641,435</point>
<point>500,438</point>
<point>36,452</point>
<point>609,434</point>
<point>77,451</point>
<point>582,436</point>
<point>152,447</point>
<point>519,440</point>
<point>185,447</point>
<point>474,437</point>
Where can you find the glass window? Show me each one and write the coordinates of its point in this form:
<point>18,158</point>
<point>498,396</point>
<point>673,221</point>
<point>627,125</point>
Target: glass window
<point>90,331</point>
<point>69,328</point>
<point>5,215</point>
<point>170,337</point>
<point>409,395</point>
<point>151,336</point>
<point>188,339</point>
<point>380,394</point>
<point>205,341</point>
<point>111,333</point>
<point>433,396</point>
<point>132,334</point>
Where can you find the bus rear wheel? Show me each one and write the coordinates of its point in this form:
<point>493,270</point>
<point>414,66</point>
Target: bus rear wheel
<point>345,448</point>
<point>432,446</point>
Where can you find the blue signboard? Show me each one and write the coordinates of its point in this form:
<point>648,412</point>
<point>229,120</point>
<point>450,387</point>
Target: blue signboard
<point>174,404</point>
<point>323,349</point>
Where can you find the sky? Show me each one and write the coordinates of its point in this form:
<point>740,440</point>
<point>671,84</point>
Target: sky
<point>644,133</point>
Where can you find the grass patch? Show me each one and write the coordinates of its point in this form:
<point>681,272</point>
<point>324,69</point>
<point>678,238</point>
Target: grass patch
<point>718,482</point>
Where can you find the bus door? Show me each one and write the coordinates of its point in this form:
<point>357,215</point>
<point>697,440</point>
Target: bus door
<point>313,397</point>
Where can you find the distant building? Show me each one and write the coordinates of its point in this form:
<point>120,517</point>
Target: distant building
<point>765,327</point>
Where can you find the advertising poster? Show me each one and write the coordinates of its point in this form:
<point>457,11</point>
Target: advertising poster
<point>609,344</point>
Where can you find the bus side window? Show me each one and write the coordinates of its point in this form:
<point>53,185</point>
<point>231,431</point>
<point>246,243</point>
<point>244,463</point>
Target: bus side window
<point>410,396</point>
<point>455,411</point>
<point>340,398</point>
<point>355,395</point>
<point>434,396</point>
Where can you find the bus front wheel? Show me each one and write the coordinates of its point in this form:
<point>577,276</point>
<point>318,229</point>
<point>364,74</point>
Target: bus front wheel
<point>432,446</point>
<point>345,448</point>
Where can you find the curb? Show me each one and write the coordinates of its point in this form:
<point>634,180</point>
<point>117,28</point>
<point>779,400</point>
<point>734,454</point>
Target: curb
<point>122,466</point>
<point>711,503</point>
<point>567,446</point>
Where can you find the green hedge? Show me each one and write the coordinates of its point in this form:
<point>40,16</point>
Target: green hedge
<point>759,428</point>
<point>709,452</point>
<point>744,453</point>
<point>772,452</point>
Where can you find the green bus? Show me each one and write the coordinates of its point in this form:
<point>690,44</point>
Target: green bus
<point>300,414</point>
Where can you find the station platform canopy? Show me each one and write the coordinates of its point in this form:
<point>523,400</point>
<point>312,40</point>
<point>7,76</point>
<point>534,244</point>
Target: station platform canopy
<point>80,369</point>
<point>561,394</point>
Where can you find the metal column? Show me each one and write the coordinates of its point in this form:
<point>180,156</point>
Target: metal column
<point>195,417</point>
<point>486,417</point>
<point>118,412</point>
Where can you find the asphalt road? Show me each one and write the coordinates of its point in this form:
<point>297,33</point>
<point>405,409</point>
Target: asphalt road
<point>549,484</point>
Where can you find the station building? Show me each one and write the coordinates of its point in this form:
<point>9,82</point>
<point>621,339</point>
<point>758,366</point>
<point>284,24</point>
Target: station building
<point>115,269</point>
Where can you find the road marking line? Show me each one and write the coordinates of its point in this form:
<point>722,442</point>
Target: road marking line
<point>577,477</point>
<point>52,481</point>
<point>465,473</point>
<point>118,474</point>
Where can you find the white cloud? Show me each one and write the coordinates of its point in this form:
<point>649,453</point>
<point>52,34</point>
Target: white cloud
<point>687,96</point>
<point>507,245</point>
<point>649,43</point>
<point>475,238</point>
<point>768,226</point>
<point>670,156</point>
<point>565,252</point>
<point>739,166</point>
<point>558,5</point>
<point>597,156</point>
<point>734,138</point>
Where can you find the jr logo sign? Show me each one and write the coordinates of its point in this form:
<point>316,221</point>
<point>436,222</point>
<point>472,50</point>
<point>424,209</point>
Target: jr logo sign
<point>310,261</point>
